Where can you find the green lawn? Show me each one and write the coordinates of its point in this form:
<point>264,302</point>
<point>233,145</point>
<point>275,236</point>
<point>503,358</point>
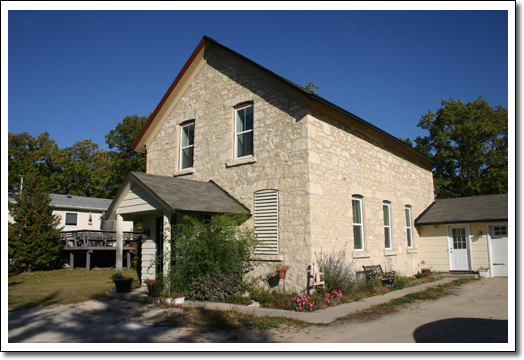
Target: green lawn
<point>63,286</point>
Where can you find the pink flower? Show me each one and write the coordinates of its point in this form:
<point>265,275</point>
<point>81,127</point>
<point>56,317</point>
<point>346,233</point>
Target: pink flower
<point>328,301</point>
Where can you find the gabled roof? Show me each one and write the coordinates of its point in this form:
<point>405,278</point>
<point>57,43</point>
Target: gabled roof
<point>182,195</point>
<point>79,202</point>
<point>484,208</point>
<point>198,55</point>
<point>72,202</point>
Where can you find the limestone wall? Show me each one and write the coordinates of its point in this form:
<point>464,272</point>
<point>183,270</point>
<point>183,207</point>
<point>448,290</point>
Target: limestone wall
<point>345,162</point>
<point>280,151</point>
<point>313,160</point>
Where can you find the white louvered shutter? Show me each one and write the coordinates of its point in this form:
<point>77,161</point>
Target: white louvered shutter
<point>266,221</point>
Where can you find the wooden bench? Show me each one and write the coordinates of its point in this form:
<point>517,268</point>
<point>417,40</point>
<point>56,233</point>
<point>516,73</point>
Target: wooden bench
<point>375,272</point>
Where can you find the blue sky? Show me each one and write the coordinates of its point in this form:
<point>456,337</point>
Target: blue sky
<point>77,74</point>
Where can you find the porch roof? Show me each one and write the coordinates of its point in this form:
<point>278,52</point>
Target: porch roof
<point>183,196</point>
<point>471,209</point>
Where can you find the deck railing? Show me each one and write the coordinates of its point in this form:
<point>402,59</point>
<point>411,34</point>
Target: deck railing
<point>95,238</point>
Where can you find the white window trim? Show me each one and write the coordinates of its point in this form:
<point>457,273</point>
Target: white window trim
<point>388,226</point>
<point>361,224</point>
<point>71,212</point>
<point>243,132</point>
<point>189,123</point>
<point>409,234</point>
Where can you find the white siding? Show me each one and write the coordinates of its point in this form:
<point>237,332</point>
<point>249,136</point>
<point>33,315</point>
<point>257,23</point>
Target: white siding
<point>137,200</point>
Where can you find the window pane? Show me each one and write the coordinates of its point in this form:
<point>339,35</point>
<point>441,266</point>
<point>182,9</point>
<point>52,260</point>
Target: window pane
<point>387,235</point>
<point>245,144</point>
<point>357,233</point>
<point>244,119</point>
<point>357,216</point>
<point>188,134</point>
<point>409,237</point>
<point>71,219</point>
<point>187,158</point>
<point>408,217</point>
<point>386,215</point>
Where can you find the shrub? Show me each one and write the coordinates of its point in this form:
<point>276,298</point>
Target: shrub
<point>215,287</point>
<point>203,248</point>
<point>338,270</point>
<point>269,299</point>
<point>238,299</point>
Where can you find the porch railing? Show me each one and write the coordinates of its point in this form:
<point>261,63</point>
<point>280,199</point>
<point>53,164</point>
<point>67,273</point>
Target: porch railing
<point>95,238</point>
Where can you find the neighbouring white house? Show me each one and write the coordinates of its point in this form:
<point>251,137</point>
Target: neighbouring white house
<point>87,239</point>
<point>465,234</point>
<point>79,213</point>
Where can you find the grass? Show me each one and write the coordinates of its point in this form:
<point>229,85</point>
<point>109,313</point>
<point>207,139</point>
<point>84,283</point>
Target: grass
<point>215,320</point>
<point>395,305</point>
<point>42,288</point>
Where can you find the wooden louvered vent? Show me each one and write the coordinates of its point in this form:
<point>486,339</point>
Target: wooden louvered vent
<point>266,222</point>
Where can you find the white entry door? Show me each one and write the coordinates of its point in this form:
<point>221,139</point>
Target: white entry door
<point>458,247</point>
<point>499,250</point>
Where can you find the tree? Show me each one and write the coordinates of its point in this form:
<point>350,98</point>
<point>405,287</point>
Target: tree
<point>28,154</point>
<point>33,238</point>
<point>469,144</point>
<point>125,158</point>
<point>84,170</point>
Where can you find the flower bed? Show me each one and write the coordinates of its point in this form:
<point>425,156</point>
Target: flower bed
<point>323,298</point>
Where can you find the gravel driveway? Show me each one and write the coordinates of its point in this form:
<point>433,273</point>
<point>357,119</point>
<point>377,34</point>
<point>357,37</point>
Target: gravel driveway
<point>479,313</point>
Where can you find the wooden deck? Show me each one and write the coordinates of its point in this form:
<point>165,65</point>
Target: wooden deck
<point>89,241</point>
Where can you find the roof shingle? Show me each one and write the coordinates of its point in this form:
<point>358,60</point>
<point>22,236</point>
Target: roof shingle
<point>466,210</point>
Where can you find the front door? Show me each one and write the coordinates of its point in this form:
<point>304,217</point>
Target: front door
<point>458,246</point>
<point>499,250</point>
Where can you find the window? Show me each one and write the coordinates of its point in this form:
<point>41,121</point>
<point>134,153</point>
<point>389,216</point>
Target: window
<point>186,146</point>
<point>408,227</point>
<point>387,225</point>
<point>266,221</point>
<point>244,131</point>
<point>71,219</point>
<point>501,230</point>
<point>358,231</point>
<point>459,238</point>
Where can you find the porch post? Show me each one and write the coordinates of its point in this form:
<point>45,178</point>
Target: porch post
<point>119,243</point>
<point>167,241</point>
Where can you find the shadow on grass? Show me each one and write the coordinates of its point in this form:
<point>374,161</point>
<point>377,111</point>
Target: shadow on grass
<point>50,299</point>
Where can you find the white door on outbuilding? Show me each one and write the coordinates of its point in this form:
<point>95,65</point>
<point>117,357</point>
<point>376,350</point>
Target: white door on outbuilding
<point>499,250</point>
<point>458,247</point>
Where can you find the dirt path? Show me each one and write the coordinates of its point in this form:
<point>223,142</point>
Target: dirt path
<point>478,314</point>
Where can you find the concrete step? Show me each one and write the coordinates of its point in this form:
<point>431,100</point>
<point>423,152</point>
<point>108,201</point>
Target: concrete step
<point>459,274</point>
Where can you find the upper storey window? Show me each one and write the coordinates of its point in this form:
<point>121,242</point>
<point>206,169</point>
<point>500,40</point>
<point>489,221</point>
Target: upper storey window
<point>244,131</point>
<point>187,137</point>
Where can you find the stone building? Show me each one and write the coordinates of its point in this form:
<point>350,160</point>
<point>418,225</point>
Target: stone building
<point>314,177</point>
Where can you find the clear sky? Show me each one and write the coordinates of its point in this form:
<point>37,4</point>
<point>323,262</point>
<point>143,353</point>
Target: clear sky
<point>77,74</point>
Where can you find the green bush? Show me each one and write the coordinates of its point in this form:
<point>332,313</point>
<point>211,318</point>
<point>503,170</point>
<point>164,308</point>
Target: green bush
<point>266,298</point>
<point>216,287</point>
<point>202,248</point>
<point>238,299</point>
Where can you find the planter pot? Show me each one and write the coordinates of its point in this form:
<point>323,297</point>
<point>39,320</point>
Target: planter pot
<point>123,285</point>
<point>281,274</point>
<point>484,274</point>
<point>178,300</point>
